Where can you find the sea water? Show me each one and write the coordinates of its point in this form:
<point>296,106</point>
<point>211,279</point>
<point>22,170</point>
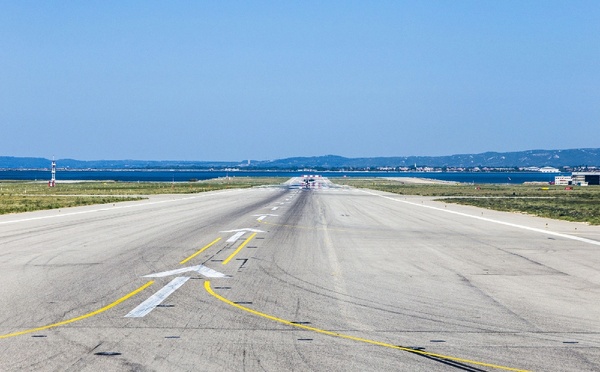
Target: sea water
<point>190,175</point>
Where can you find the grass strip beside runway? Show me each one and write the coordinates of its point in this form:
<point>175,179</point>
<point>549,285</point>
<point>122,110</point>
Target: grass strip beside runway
<point>20,196</point>
<point>573,203</point>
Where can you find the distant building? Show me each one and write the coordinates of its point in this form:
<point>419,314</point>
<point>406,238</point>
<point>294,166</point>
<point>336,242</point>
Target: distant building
<point>563,180</point>
<point>586,178</point>
<point>549,170</point>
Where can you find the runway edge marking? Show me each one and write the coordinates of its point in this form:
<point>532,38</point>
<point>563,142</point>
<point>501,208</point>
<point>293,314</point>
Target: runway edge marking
<point>137,204</point>
<point>209,289</point>
<point>561,235</point>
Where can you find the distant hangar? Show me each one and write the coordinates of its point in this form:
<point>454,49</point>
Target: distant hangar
<point>579,178</point>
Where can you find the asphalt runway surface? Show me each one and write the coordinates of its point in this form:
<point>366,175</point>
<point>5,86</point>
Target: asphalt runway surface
<point>287,279</point>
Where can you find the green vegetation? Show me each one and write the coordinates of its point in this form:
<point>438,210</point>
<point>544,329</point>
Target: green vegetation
<point>28,203</point>
<point>560,208</point>
<point>581,204</point>
<point>16,197</point>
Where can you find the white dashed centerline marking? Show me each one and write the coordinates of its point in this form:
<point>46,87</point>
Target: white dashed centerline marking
<point>263,216</point>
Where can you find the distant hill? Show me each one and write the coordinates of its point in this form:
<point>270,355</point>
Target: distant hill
<point>8,162</point>
<point>530,158</point>
<point>142,164</point>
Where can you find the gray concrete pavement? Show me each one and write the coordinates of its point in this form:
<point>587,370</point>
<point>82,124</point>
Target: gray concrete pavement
<point>359,273</point>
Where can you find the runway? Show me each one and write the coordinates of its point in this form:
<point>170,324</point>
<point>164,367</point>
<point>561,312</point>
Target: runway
<point>278,279</point>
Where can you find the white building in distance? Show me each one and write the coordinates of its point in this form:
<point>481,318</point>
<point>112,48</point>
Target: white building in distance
<point>563,180</point>
<point>549,170</point>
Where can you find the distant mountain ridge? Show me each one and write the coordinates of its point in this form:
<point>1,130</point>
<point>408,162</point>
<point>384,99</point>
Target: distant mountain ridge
<point>530,158</point>
<point>9,162</point>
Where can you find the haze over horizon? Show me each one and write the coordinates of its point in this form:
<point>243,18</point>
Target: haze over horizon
<point>270,80</point>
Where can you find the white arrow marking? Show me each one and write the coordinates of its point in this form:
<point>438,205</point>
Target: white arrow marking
<point>274,208</point>
<point>261,218</point>
<point>200,269</point>
<point>150,304</point>
<point>235,236</point>
<point>210,273</point>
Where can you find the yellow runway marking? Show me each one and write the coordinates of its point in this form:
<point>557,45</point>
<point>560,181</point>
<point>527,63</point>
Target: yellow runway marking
<point>200,251</point>
<point>348,337</point>
<point>88,315</point>
<point>239,249</point>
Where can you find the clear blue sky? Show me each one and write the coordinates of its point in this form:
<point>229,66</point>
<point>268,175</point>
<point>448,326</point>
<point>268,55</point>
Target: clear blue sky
<point>231,80</point>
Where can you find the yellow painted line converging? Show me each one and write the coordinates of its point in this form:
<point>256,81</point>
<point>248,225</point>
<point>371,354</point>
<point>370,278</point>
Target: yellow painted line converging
<point>239,249</point>
<point>88,315</point>
<point>200,251</point>
<point>348,337</point>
